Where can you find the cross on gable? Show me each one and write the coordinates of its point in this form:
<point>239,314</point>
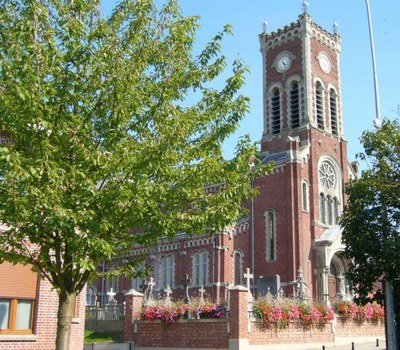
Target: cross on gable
<point>264,26</point>
<point>305,5</point>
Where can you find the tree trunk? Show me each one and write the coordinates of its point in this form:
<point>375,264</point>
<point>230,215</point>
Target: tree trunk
<point>66,303</point>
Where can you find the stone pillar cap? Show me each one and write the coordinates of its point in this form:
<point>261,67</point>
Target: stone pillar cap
<point>134,293</point>
<point>238,287</point>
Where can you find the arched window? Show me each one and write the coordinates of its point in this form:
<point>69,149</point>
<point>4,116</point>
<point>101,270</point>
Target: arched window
<point>329,209</point>
<point>112,281</point>
<point>305,196</point>
<point>237,268</point>
<point>322,208</point>
<point>270,228</point>
<point>91,296</point>
<point>294,105</point>
<point>275,111</point>
<point>167,271</point>
<point>200,268</point>
<point>319,105</point>
<point>335,210</point>
<point>333,111</point>
<point>137,282</point>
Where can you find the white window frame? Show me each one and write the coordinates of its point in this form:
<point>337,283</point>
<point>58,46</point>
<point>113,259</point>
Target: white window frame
<point>167,267</point>
<point>137,282</point>
<point>200,268</point>
<point>240,255</point>
<point>270,236</point>
<point>305,196</point>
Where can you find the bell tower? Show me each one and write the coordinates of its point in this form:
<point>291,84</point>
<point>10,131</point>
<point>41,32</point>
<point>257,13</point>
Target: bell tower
<point>296,212</point>
<point>301,82</point>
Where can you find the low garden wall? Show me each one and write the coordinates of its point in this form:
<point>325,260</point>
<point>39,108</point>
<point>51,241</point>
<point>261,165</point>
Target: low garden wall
<point>204,333</point>
<point>168,328</point>
<point>295,333</point>
<point>348,328</point>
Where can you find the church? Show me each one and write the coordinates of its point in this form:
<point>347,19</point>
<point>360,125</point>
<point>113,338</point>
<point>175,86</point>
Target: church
<point>290,241</point>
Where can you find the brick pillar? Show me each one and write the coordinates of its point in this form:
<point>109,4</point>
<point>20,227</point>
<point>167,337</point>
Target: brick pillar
<point>239,318</point>
<point>133,304</point>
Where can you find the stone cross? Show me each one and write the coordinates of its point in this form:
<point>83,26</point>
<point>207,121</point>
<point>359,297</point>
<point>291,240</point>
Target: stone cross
<point>185,283</point>
<point>144,286</point>
<point>305,6</point>
<point>111,294</point>
<point>168,291</point>
<point>248,276</point>
<point>150,285</point>
<point>201,291</point>
<point>335,27</point>
<point>264,26</point>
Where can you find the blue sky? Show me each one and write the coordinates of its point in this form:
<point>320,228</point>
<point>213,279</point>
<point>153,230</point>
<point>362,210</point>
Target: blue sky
<point>246,17</point>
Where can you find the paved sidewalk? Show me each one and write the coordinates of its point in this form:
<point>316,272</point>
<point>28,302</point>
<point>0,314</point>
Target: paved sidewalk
<point>359,346</point>
<point>365,343</point>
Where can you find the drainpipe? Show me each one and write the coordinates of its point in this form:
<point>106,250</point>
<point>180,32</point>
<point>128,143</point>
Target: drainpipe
<point>252,234</point>
<point>103,283</point>
<point>213,263</point>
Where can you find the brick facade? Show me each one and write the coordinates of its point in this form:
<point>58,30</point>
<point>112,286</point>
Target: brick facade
<point>45,323</point>
<point>304,238</point>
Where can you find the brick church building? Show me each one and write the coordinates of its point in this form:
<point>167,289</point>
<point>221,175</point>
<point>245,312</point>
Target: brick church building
<point>291,232</point>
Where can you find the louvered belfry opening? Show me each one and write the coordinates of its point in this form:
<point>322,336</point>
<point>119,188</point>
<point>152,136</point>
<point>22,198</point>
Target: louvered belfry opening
<point>319,105</point>
<point>333,112</point>
<point>276,111</point>
<point>294,105</point>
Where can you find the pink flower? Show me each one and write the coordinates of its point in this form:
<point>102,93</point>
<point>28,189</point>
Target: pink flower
<point>368,311</point>
<point>294,313</point>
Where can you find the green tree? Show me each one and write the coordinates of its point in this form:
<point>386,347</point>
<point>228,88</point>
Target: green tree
<point>114,124</point>
<point>371,219</point>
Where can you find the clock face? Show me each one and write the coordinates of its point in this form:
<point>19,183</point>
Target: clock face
<point>283,63</point>
<point>326,175</point>
<point>325,63</point>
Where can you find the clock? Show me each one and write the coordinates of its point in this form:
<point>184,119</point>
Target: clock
<point>326,175</point>
<point>283,63</point>
<point>325,62</point>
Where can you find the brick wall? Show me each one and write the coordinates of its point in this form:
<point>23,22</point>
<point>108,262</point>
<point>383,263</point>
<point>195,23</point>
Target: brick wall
<point>45,324</point>
<point>206,333</point>
<point>229,332</point>
<point>295,333</point>
<point>356,329</point>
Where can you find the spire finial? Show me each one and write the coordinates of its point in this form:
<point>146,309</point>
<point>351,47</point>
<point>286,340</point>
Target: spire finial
<point>264,26</point>
<point>335,27</point>
<point>305,6</point>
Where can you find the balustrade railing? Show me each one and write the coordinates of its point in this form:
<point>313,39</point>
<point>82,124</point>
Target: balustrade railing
<point>105,312</point>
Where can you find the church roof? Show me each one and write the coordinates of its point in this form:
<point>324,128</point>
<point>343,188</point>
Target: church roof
<point>330,235</point>
<point>279,157</point>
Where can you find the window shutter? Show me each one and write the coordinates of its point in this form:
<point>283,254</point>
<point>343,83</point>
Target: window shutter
<point>17,281</point>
